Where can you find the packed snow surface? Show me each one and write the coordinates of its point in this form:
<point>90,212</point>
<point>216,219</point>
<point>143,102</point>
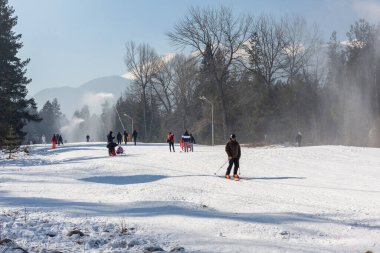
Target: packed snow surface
<point>308,199</point>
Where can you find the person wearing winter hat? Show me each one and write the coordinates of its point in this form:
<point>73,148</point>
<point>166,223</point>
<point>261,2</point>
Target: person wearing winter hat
<point>234,153</point>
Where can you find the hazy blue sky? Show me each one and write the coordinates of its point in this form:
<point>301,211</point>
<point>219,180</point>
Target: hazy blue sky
<point>73,41</point>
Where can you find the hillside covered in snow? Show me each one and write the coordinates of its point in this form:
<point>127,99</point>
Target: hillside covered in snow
<point>77,199</point>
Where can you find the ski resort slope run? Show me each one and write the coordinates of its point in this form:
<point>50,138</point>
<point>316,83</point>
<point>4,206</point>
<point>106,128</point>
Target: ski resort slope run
<point>308,199</point>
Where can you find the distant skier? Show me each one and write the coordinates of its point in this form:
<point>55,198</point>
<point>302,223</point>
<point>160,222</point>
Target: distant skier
<point>299,139</point>
<point>60,139</point>
<point>110,144</point>
<point>134,136</point>
<point>43,138</point>
<point>57,137</point>
<point>125,137</point>
<point>192,142</point>
<point>119,138</point>
<point>88,138</point>
<point>53,141</point>
<point>186,140</point>
<point>234,153</point>
<point>170,140</point>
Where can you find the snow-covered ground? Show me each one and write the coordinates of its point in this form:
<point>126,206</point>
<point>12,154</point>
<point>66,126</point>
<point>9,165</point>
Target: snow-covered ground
<point>309,199</point>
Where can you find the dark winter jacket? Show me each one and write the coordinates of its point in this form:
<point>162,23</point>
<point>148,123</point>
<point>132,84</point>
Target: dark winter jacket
<point>125,135</point>
<point>186,137</point>
<point>134,134</point>
<point>192,139</point>
<point>110,138</point>
<point>233,149</point>
<point>119,136</point>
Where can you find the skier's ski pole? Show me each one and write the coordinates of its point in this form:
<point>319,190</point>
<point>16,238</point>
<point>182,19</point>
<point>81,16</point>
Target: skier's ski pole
<point>220,167</point>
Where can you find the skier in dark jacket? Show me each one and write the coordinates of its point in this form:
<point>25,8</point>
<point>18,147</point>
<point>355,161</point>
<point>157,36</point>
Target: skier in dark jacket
<point>60,140</point>
<point>234,153</point>
<point>125,137</point>
<point>170,140</point>
<point>57,137</point>
<point>134,135</point>
<point>119,137</point>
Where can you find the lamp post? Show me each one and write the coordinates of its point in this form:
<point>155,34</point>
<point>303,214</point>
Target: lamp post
<point>212,117</point>
<point>131,119</point>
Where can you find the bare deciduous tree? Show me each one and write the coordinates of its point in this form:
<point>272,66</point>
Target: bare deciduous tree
<point>163,84</point>
<point>223,33</point>
<point>185,82</point>
<point>142,63</point>
<point>266,49</point>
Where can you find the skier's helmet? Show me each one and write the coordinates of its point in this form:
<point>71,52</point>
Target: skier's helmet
<point>233,136</point>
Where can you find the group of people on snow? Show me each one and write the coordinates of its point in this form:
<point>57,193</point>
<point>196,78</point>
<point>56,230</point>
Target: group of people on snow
<point>111,145</point>
<point>187,141</point>
<point>55,139</point>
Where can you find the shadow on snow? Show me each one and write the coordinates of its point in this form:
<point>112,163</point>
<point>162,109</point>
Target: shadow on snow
<point>123,180</point>
<point>174,208</point>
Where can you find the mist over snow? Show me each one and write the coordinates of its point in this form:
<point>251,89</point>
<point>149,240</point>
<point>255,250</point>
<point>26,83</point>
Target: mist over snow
<point>95,100</point>
<point>68,130</point>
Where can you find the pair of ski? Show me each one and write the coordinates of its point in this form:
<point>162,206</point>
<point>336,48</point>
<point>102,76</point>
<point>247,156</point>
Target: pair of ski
<point>232,178</point>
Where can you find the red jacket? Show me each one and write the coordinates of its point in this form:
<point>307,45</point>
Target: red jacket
<point>171,137</point>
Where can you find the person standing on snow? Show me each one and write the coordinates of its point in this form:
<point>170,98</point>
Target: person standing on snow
<point>192,142</point>
<point>299,139</point>
<point>57,138</point>
<point>234,153</point>
<point>186,140</point>
<point>43,139</point>
<point>53,141</point>
<point>88,138</point>
<point>60,140</point>
<point>170,140</point>
<point>110,144</point>
<point>134,136</point>
<point>125,137</point>
<point>119,137</point>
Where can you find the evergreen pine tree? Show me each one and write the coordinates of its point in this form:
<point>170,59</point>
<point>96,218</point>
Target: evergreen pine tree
<point>11,142</point>
<point>14,104</point>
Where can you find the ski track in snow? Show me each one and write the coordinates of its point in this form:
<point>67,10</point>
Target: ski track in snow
<point>309,199</point>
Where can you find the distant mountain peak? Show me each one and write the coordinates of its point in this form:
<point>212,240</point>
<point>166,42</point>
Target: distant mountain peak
<point>92,93</point>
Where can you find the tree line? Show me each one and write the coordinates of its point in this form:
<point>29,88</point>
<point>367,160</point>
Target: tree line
<point>266,78</point>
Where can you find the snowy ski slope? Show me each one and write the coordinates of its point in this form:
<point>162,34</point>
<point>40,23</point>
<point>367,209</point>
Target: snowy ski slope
<point>309,199</point>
